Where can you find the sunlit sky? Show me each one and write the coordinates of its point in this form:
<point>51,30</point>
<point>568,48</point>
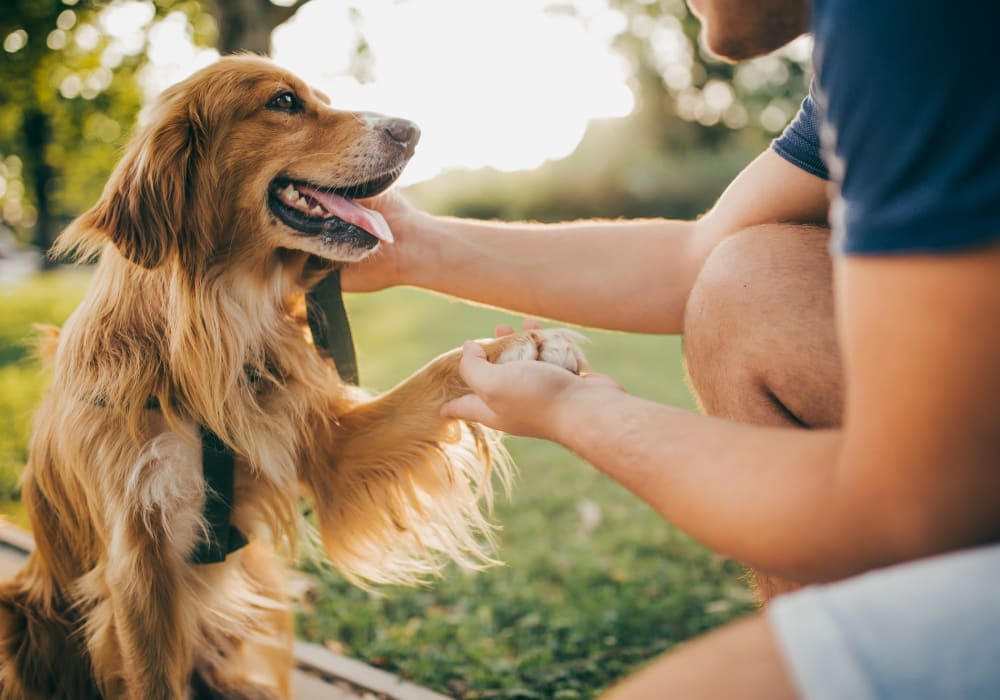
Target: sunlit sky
<point>500,84</point>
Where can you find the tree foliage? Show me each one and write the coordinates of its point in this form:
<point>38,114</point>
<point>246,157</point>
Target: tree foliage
<point>71,90</point>
<point>68,97</point>
<point>72,87</point>
<point>41,66</point>
<point>696,124</point>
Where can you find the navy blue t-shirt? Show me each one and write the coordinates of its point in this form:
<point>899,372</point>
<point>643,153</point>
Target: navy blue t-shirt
<point>904,118</point>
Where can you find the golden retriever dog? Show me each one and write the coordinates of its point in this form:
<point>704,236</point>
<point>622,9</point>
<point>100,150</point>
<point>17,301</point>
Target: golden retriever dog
<point>232,201</point>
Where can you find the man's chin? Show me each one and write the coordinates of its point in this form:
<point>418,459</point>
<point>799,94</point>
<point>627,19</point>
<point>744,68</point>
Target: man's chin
<point>736,48</point>
<point>738,31</point>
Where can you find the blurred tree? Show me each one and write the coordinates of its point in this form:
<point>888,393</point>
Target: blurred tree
<point>31,113</point>
<point>675,76</point>
<point>246,25</point>
<point>696,123</point>
<point>71,89</point>
<point>68,92</point>
<point>662,39</point>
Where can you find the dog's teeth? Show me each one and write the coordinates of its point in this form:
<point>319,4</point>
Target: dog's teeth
<point>317,209</point>
<point>303,202</point>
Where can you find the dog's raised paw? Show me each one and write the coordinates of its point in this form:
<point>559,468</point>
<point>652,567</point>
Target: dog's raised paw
<point>557,346</point>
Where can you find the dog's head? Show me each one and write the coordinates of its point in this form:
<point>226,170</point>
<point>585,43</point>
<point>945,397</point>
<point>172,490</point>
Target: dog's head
<point>241,160</point>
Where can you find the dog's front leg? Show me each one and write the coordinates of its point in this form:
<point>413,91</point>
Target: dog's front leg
<point>404,490</point>
<point>150,609</point>
<point>151,616</point>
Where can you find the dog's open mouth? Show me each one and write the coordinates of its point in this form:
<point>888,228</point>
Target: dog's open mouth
<point>331,213</point>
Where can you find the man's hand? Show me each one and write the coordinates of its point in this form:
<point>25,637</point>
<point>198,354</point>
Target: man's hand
<point>521,397</point>
<point>386,266</point>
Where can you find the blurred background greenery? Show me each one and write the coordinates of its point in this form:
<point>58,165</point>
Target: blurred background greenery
<point>593,581</point>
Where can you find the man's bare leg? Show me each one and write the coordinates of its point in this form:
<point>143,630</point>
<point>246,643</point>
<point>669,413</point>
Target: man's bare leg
<point>759,336</point>
<point>760,347</point>
<point>741,660</point>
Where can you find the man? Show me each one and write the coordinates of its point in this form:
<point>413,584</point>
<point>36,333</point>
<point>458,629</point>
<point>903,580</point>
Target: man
<point>898,379</point>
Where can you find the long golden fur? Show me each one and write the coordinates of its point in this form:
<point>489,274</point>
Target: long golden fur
<point>198,301</point>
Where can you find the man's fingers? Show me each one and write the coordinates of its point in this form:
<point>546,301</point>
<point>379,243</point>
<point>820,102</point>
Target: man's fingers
<point>471,348</point>
<point>378,201</point>
<point>528,324</point>
<point>475,369</point>
<point>477,372</point>
<point>469,407</point>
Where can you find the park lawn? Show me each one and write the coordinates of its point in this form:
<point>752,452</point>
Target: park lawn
<point>592,583</point>
<point>43,299</point>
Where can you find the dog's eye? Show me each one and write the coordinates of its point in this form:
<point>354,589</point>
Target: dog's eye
<point>285,102</point>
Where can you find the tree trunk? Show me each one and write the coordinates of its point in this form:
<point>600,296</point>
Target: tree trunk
<point>37,134</point>
<point>246,25</point>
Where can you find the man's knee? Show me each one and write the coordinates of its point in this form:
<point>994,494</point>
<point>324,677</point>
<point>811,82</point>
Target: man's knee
<point>759,339</point>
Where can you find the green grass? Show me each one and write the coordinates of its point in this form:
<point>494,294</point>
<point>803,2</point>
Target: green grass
<point>47,298</point>
<point>593,582</point>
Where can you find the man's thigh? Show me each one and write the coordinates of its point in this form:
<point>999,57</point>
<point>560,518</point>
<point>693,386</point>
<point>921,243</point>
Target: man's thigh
<point>760,340</point>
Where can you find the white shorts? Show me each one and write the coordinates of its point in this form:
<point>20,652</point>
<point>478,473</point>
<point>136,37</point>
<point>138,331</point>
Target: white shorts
<point>921,630</point>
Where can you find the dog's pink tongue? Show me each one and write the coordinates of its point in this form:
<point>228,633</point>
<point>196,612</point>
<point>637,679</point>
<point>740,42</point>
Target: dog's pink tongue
<point>351,212</point>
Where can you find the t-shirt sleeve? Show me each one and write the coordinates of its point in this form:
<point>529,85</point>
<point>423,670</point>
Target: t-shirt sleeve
<point>912,123</point>
<point>799,144</point>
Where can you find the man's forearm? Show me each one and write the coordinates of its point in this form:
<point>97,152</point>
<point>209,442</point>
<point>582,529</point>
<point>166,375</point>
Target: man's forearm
<point>769,497</point>
<point>621,275</point>
<point>630,276</point>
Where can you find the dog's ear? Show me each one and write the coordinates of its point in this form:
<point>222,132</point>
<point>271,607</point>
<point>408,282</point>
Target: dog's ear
<point>143,207</point>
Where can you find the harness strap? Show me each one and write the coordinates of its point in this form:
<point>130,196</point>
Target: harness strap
<point>223,537</point>
<point>331,329</point>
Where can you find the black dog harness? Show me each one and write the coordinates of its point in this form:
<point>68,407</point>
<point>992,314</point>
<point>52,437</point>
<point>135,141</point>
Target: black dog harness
<point>331,334</point>
<point>222,536</point>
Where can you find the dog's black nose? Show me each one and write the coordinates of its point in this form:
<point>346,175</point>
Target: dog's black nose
<point>403,132</point>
